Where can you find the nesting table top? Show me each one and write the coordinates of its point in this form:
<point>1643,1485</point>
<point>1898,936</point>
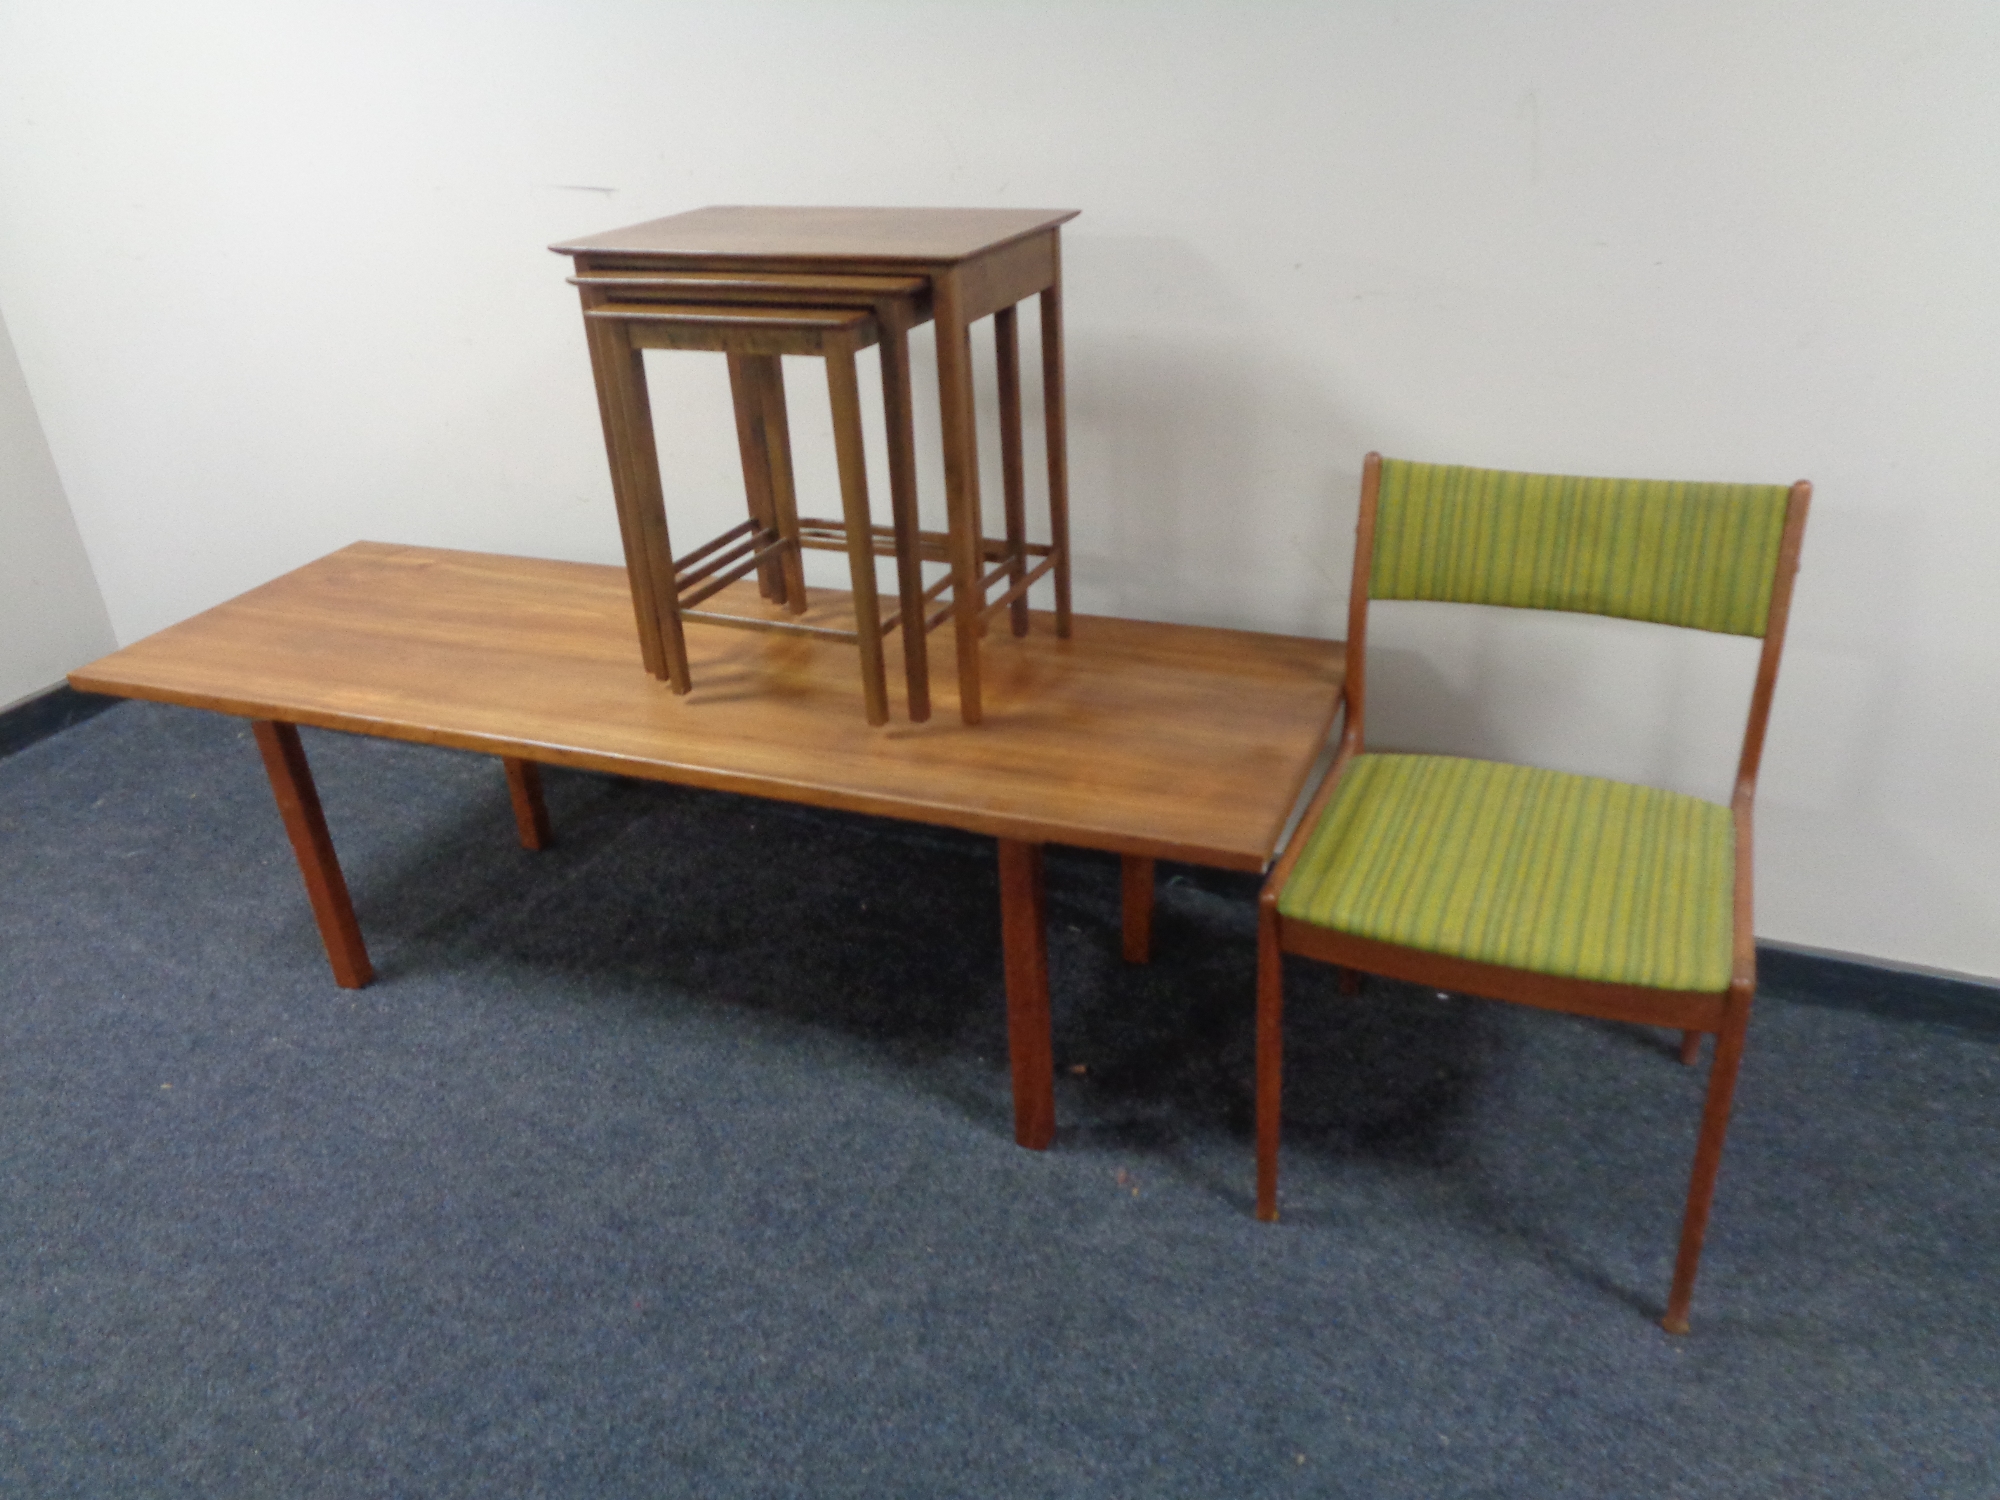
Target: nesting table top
<point>919,236</point>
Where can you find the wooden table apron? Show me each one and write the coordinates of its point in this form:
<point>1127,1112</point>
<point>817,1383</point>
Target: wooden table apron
<point>980,262</point>
<point>1147,741</point>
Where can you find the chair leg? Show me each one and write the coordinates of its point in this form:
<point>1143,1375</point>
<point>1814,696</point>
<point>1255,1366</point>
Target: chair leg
<point>845,395</point>
<point>1707,1160</point>
<point>1690,1048</point>
<point>898,417</point>
<point>1270,1055</point>
<point>1007,364</point>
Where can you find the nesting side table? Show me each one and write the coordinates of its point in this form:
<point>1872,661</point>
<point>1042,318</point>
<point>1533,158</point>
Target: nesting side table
<point>979,262</point>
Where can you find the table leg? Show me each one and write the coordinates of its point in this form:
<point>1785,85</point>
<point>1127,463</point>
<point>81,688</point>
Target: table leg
<point>531,813</point>
<point>1708,1156</point>
<point>961,477</point>
<point>1025,939</point>
<point>1007,360</point>
<point>326,888</point>
<point>1136,877</point>
<point>1056,437</point>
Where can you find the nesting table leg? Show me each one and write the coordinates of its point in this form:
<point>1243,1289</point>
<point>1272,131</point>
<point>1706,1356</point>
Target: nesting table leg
<point>1056,427</point>
<point>961,477</point>
<point>845,395</point>
<point>606,349</point>
<point>900,420</point>
<point>744,394</point>
<point>1007,360</point>
<point>326,887</point>
<point>767,379</point>
<point>642,512</point>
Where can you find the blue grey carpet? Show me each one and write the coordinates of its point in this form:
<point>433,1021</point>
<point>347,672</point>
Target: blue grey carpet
<point>677,1160</point>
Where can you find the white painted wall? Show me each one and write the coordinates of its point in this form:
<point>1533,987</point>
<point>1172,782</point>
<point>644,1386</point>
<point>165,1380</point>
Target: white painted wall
<point>51,615</point>
<point>276,278</point>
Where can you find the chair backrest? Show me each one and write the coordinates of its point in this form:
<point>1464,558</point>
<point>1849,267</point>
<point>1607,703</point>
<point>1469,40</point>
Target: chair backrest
<point>1707,556</point>
<point>1698,555</point>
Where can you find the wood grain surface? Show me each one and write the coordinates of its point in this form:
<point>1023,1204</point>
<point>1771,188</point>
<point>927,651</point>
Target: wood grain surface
<point>831,236</point>
<point>1159,740</point>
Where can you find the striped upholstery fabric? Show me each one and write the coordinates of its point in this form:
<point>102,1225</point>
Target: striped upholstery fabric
<point>1701,555</point>
<point>1567,875</point>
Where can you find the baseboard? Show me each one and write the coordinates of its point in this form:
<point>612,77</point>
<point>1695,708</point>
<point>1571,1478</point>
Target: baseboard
<point>36,718</point>
<point>1846,981</point>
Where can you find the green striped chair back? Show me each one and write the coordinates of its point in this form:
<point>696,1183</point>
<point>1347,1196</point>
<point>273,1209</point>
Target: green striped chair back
<point>1699,555</point>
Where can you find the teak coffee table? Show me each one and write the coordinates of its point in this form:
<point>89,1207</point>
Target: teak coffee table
<point>977,261</point>
<point>1148,741</point>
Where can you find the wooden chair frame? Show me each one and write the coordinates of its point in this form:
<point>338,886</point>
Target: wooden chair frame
<point>1694,1013</point>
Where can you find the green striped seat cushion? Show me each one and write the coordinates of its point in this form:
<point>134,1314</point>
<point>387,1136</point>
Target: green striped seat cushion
<point>1541,870</point>
<point>1700,555</point>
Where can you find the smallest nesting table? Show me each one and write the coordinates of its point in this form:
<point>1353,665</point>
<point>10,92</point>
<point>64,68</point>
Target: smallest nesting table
<point>769,543</point>
<point>978,262</point>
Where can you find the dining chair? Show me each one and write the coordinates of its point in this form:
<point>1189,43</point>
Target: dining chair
<point>1571,893</point>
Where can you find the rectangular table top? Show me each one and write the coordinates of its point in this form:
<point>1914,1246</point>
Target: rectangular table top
<point>1171,741</point>
<point>925,236</point>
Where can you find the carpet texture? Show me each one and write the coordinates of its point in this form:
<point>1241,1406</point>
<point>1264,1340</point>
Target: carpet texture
<point>678,1160</point>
